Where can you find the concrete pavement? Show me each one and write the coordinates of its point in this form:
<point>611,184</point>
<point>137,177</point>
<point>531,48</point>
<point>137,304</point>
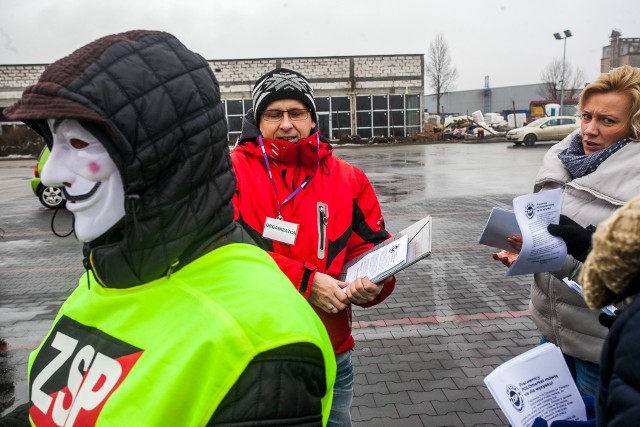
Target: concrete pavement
<point>420,356</point>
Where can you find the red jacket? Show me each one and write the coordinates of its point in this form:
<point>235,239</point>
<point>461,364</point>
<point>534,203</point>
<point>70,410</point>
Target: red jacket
<point>338,214</point>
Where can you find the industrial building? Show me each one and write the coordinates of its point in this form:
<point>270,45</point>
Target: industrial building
<point>503,100</point>
<point>620,51</point>
<point>369,95</point>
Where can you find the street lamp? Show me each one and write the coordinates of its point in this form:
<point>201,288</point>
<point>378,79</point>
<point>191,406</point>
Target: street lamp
<point>558,36</point>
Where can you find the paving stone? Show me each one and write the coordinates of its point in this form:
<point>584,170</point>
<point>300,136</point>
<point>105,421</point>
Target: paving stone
<point>412,421</point>
<point>443,408</point>
<point>412,385</point>
<point>428,385</point>
<point>448,420</point>
<point>406,410</point>
<point>485,417</point>
<point>423,374</point>
<point>388,377</point>
<point>368,413</point>
<point>466,393</point>
<point>395,398</point>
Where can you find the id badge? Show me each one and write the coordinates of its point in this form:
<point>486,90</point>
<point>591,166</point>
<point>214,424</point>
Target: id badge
<point>281,231</point>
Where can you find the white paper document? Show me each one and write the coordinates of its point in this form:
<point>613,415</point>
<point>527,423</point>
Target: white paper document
<point>536,383</point>
<point>609,309</point>
<point>376,263</point>
<point>500,225</point>
<point>532,212</point>
<point>393,255</point>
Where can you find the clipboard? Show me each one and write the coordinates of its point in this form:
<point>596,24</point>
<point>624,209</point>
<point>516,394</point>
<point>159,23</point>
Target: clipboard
<point>419,247</point>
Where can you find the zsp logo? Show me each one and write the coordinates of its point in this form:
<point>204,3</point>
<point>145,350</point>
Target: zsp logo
<point>75,372</point>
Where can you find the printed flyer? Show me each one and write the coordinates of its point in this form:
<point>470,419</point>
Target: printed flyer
<point>536,383</point>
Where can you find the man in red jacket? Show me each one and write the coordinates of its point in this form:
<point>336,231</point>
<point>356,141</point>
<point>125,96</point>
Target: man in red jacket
<point>312,211</point>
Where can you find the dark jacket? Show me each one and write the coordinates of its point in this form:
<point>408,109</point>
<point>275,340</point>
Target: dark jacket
<point>338,213</point>
<point>156,107</point>
<point>618,402</point>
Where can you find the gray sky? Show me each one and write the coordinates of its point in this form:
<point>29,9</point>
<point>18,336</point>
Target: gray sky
<point>511,41</point>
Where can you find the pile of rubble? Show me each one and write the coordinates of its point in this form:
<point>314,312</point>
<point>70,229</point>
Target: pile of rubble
<point>476,126</point>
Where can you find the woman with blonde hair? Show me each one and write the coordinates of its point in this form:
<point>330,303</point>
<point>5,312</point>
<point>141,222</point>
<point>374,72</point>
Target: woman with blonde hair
<point>596,166</point>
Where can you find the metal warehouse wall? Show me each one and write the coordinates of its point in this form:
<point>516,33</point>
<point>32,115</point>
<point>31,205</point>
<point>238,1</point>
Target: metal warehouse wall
<point>502,98</point>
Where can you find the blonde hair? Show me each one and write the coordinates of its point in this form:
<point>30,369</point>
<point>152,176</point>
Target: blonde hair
<point>625,80</point>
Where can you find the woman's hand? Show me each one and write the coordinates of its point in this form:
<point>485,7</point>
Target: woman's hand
<point>515,241</point>
<point>505,257</point>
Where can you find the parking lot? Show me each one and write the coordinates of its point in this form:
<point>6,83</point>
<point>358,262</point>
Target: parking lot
<point>420,356</point>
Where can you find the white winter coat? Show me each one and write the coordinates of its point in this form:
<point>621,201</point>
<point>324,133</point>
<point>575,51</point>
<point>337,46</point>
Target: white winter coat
<point>559,312</point>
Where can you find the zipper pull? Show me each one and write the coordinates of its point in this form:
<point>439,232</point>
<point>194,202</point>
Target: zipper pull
<point>172,267</point>
<point>324,216</point>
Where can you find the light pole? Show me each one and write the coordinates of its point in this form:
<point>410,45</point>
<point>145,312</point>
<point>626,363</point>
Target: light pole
<point>558,36</point>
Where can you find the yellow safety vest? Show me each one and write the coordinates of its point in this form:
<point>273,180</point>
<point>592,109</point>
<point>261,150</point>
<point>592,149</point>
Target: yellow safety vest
<point>167,352</point>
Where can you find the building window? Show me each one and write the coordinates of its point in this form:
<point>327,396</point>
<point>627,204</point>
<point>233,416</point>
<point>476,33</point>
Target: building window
<point>624,49</point>
<point>387,115</point>
<point>380,115</point>
<point>334,116</point>
<point>364,116</point>
<point>413,114</point>
<point>323,109</point>
<point>235,109</point>
<point>375,115</point>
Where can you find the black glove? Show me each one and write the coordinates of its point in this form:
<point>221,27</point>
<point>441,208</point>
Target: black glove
<point>577,238</point>
<point>607,320</point>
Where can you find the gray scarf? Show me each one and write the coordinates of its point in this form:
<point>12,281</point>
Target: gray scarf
<point>580,164</point>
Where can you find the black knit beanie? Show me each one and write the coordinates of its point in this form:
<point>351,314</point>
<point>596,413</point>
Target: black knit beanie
<point>282,84</point>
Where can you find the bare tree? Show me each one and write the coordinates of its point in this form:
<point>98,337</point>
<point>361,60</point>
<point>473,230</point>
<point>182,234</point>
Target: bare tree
<point>439,71</point>
<point>551,77</point>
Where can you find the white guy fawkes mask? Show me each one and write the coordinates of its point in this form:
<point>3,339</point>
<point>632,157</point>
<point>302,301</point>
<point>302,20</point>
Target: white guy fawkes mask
<point>91,181</point>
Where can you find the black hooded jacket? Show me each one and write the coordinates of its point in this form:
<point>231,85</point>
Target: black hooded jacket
<point>162,122</point>
<point>156,107</point>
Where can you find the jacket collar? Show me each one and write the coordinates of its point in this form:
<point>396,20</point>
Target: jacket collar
<point>307,152</point>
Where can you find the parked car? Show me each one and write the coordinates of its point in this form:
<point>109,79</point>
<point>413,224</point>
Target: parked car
<point>544,129</point>
<point>50,197</point>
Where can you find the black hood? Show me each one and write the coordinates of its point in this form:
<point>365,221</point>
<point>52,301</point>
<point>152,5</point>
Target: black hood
<point>250,130</point>
<point>158,107</point>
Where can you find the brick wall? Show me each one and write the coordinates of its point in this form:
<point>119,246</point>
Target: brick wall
<point>14,79</point>
<point>328,75</point>
<point>19,76</point>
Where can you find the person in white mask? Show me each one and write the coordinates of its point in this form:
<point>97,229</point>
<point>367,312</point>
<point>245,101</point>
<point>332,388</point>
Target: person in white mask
<point>166,327</point>
<point>90,180</point>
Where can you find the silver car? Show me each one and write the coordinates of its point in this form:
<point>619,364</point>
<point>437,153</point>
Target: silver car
<point>544,129</point>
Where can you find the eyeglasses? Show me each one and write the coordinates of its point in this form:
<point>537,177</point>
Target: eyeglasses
<point>276,115</point>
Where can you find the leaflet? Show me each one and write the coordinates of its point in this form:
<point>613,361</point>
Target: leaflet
<point>500,225</point>
<point>532,212</point>
<point>609,309</point>
<point>378,262</point>
<point>393,255</point>
<point>536,383</point>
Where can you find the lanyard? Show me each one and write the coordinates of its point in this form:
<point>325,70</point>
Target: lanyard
<point>273,183</point>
